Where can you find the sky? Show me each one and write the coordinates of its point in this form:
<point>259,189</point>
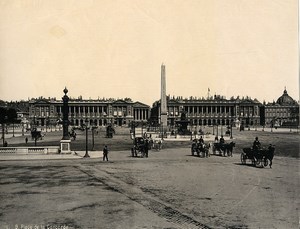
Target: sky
<point>115,48</point>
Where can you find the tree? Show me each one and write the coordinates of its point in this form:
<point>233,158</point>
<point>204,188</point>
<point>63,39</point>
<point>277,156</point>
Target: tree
<point>7,116</point>
<point>294,114</point>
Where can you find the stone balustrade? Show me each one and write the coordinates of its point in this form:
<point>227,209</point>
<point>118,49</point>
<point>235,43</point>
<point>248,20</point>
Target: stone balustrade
<point>30,150</point>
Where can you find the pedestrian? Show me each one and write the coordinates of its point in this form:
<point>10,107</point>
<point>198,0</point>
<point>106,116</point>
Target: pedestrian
<point>26,140</point>
<point>146,146</point>
<point>105,153</point>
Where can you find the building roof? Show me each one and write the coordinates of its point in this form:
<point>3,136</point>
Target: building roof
<point>285,99</point>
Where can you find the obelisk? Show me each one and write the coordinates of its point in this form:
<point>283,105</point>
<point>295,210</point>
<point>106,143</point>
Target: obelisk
<point>163,100</point>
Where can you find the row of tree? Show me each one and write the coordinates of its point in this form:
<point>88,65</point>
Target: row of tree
<point>8,115</point>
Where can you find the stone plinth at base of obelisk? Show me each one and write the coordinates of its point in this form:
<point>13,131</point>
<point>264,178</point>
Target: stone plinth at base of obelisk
<point>65,146</point>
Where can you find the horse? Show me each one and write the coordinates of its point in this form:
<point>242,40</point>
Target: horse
<point>139,149</point>
<point>201,148</point>
<point>219,147</point>
<point>248,154</point>
<point>229,148</point>
<point>268,154</point>
<point>205,149</point>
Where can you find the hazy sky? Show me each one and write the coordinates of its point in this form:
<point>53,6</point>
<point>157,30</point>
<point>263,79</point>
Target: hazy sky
<point>114,48</point>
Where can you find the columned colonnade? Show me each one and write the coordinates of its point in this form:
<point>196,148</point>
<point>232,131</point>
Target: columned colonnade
<point>98,113</point>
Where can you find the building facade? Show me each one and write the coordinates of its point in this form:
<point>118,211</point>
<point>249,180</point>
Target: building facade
<point>211,111</point>
<point>282,113</point>
<point>47,112</point>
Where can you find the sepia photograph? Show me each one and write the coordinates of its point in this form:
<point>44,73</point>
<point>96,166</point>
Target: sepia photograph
<point>154,114</point>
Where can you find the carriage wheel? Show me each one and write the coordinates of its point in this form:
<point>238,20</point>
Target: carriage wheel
<point>266,162</point>
<point>132,152</point>
<point>243,158</point>
<point>258,162</point>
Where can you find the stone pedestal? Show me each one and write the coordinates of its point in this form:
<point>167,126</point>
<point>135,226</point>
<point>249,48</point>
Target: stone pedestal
<point>65,146</point>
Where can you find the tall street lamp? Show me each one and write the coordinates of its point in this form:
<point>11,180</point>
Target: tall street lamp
<point>231,131</point>
<point>3,129</point>
<point>162,131</point>
<point>22,127</point>
<point>13,127</point>
<point>93,135</point>
<point>221,129</point>
<point>86,139</point>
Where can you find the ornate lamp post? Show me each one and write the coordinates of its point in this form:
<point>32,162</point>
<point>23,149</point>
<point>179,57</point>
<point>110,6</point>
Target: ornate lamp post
<point>65,141</point>
<point>86,139</point>
<point>47,122</point>
<point>65,115</point>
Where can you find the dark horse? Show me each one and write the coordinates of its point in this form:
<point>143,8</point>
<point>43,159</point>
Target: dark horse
<point>268,155</point>
<point>224,148</point>
<point>260,156</point>
<point>229,148</point>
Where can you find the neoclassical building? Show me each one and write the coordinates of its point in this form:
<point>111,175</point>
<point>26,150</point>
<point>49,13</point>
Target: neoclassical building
<point>216,110</point>
<point>100,112</point>
<point>283,112</point>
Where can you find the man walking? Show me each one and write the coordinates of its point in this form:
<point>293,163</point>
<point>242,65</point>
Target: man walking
<point>105,153</point>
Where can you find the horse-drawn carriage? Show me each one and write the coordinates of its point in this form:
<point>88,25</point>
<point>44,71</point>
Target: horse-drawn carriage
<point>200,148</point>
<point>110,131</point>
<point>259,157</point>
<point>223,148</point>
<point>140,147</point>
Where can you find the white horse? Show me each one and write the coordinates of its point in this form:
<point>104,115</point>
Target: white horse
<point>157,144</point>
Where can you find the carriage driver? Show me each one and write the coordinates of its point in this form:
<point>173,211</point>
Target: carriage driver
<point>222,141</point>
<point>201,143</point>
<point>201,140</point>
<point>256,144</point>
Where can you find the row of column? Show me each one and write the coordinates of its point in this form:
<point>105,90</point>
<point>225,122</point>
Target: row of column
<point>209,109</point>
<point>140,114</point>
<point>97,111</point>
<point>202,110</point>
<point>211,122</point>
<point>96,122</point>
<point>247,111</point>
